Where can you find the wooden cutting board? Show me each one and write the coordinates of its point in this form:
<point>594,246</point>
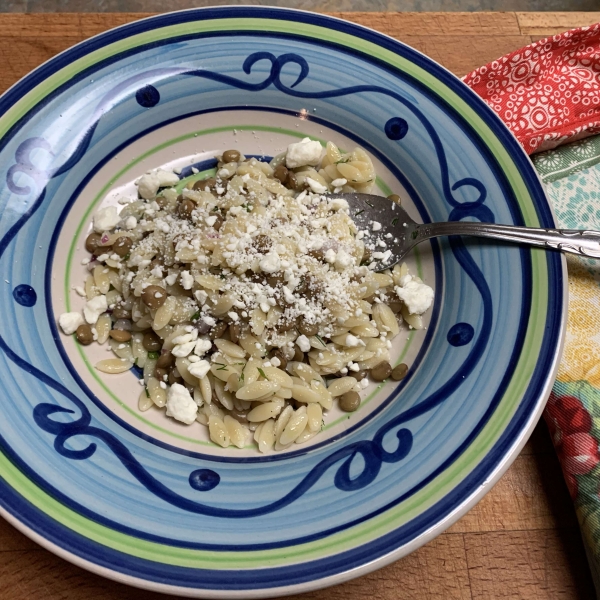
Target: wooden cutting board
<point>522,540</point>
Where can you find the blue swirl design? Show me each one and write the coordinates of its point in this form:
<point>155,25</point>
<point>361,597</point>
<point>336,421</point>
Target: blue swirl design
<point>372,452</point>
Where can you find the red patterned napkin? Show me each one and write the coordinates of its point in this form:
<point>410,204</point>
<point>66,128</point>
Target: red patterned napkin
<point>548,92</point>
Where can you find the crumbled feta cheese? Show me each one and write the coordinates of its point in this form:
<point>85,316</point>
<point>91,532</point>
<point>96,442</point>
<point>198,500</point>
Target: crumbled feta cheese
<point>148,185</point>
<point>210,221</point>
<point>130,222</point>
<point>105,219</point>
<point>182,350</point>
<point>233,316</point>
<point>288,295</point>
<point>418,297</point>
<point>185,338</point>
<point>404,279</point>
<point>180,404</point>
<point>343,260</point>
<point>187,280</point>
<point>376,226</point>
<point>209,320</point>
<point>304,153</point>
<point>199,369</point>
<point>79,291</point>
<point>339,204</point>
<point>201,296</point>
<point>270,263</point>
<point>315,186</point>
<point>171,278</point>
<point>94,308</point>
<point>69,322</point>
<point>330,256</point>
<point>166,178</point>
<point>303,343</point>
<point>202,346</point>
<point>351,341</point>
<point>382,256</point>
<point>275,362</point>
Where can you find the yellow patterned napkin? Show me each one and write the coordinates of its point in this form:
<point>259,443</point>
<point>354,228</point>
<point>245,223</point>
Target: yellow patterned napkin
<point>571,175</point>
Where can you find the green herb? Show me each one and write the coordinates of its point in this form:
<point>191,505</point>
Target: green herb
<point>222,367</point>
<point>394,220</point>
<point>248,208</point>
<point>360,212</point>
<point>369,203</point>
<point>126,257</point>
<point>153,355</point>
<point>342,160</point>
<point>321,341</point>
<point>262,373</point>
<point>147,393</point>
<point>196,316</point>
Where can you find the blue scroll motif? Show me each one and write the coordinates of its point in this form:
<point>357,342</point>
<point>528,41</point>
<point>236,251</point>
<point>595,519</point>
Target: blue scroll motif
<point>373,452</point>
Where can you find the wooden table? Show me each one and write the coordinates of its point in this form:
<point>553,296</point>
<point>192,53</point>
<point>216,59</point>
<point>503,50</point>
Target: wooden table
<point>522,539</point>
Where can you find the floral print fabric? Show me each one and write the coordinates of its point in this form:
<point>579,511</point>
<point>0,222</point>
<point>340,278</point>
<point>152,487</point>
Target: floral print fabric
<point>574,157</point>
<point>549,93</point>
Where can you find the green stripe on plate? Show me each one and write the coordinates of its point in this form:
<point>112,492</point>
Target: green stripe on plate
<point>423,499</point>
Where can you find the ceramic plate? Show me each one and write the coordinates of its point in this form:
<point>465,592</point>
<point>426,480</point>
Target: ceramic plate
<point>151,502</point>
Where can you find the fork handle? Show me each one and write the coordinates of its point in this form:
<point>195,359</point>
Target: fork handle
<point>575,241</point>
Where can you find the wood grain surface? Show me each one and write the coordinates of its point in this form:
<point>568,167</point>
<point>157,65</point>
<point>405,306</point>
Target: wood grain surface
<point>522,540</point>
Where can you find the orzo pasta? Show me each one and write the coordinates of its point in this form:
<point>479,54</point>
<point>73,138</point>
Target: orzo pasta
<point>247,299</point>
